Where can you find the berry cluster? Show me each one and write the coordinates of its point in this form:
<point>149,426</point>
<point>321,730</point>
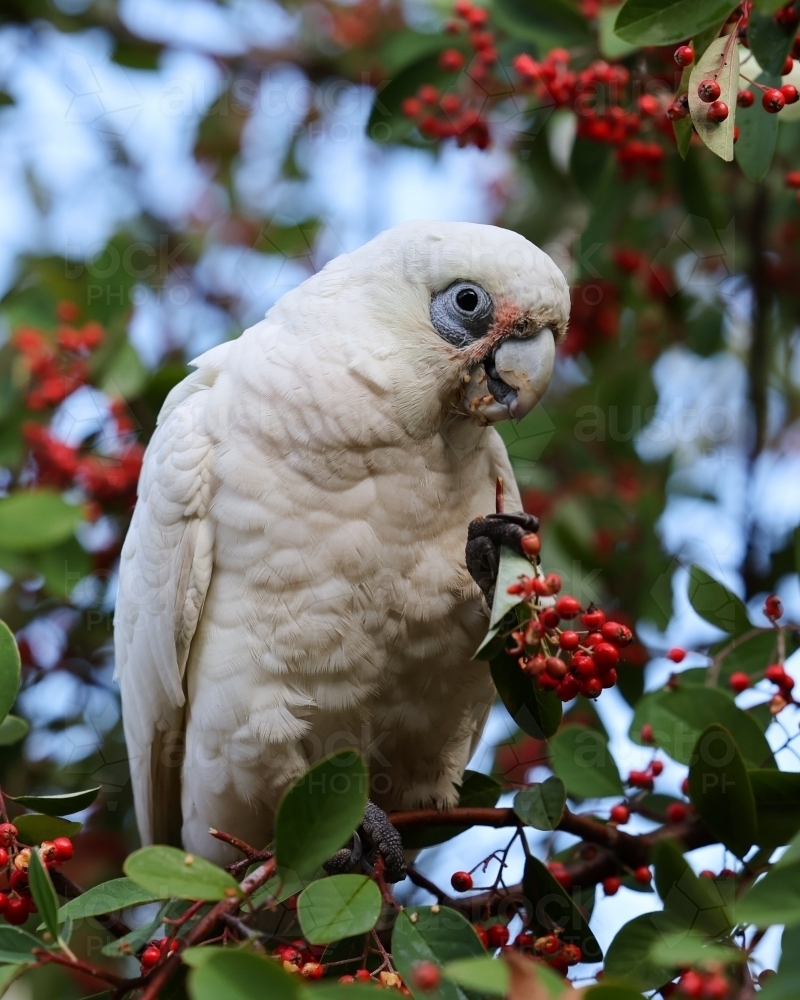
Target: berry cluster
<point>703,985</point>
<point>302,958</point>
<point>550,949</point>
<point>56,370</point>
<point>16,902</point>
<point>384,979</point>
<point>569,660</point>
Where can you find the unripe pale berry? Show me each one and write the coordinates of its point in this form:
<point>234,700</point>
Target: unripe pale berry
<point>708,90</point>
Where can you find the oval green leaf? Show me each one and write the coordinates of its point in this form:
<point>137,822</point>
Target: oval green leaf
<point>319,812</point>
<point>241,975</point>
<point>12,730</point>
<point>582,760</point>
<point>108,897</point>
<point>10,667</point>
<point>33,520</point>
<point>550,906</point>
<point>420,935</point>
<point>696,903</point>
<point>709,598</point>
<point>777,795</point>
<point>338,907</point>
<point>58,805</point>
<point>720,62</point>
<point>168,872</point>
<point>44,895</point>
<point>483,974</point>
<point>16,945</point>
<point>720,790</point>
<point>33,828</point>
<point>662,22</point>
<point>773,900</point>
<point>628,960</point>
<point>541,806</point>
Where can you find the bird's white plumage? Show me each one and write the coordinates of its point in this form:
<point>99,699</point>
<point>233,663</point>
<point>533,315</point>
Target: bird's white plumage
<point>293,580</point>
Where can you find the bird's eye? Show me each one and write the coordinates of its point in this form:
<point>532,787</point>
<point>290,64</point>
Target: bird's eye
<point>467,298</point>
<point>462,313</point>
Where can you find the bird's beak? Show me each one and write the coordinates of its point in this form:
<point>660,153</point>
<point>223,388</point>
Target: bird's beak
<point>511,380</point>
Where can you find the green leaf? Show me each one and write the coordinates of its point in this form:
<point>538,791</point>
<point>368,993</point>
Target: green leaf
<point>590,163</point>
<point>511,568</point>
<point>319,812</point>
<point>777,795</point>
<point>628,959</point>
<point>482,974</point>
<point>720,790</point>
<point>44,895</point>
<point>537,713</point>
<point>749,655</point>
<point>679,717</point>
<point>33,828</point>
<point>12,730</point>
<point>607,991</point>
<point>33,520</point>
<point>476,790</point>
<point>338,907</point>
<point>773,900</point>
<point>16,945</point>
<point>769,42</point>
<point>662,22</point>
<point>714,602</point>
<point>108,897</point>
<point>387,124</point>
<point>547,23</point>
<point>421,935</point>
<point>720,61</point>
<point>280,887</point>
<point>681,949</point>
<point>166,871</point>
<point>130,943</point>
<point>758,132</point>
<point>58,805</point>
<point>611,45</point>
<point>694,903</point>
<point>541,806</point>
<point>582,760</point>
<point>241,975</point>
<point>551,907</point>
<point>10,667</point>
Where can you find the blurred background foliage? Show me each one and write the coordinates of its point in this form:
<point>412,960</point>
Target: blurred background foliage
<point>169,169</point>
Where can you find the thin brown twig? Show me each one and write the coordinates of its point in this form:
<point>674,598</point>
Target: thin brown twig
<point>77,965</point>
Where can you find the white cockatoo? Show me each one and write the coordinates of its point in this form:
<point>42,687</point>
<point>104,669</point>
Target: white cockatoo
<point>294,579</point>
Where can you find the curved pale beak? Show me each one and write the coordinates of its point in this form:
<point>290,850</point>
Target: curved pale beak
<point>510,382</point>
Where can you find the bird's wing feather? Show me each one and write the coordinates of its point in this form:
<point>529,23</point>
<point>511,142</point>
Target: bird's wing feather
<point>165,571</point>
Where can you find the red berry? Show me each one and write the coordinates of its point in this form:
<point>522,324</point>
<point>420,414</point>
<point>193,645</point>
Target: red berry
<point>717,112</point>
<point>707,873</point>
<point>790,93</point>
<point>788,66</point>
<point>640,779</point>
<point>476,17</point>
<point>715,987</point>
<point>497,935</point>
<point>567,606</point>
<point>605,655</point>
<point>3,857</point>
<point>568,689</point>
<point>649,105</point>
<point>411,107</point>
<point>620,813</point>
<point>685,786</point>
<point>461,881</point>
<point>642,875</point>
<point>569,640</point>
<point>611,885</point>
<point>550,618</point>
<point>646,733</point>
<point>773,101</point>
<point>553,581</point>
<point>560,874</point>
<point>745,98</point>
<point>739,681</point>
<point>524,939</point>
<point>792,179</point>
<point>775,673</point>
<point>708,91</point>
<point>619,635</point>
<point>609,678</point>
<point>17,910</point>
<point>428,94</point>
<point>362,975</point>
<point>8,834</point>
<point>425,976</point>
<point>312,970</point>
<point>547,944</point>
<point>594,619</point>
<point>676,654</point>
<point>555,668</point>
<point>347,979</point>
<point>482,935</point>
<point>592,687</point>
<point>735,133</point>
<point>18,881</point>
<point>679,108</point>
<point>787,16</point>
<point>531,544</point>
<point>3,902</point>
<point>63,848</point>
<point>656,768</point>
<point>583,664</point>
<point>571,954</point>
<point>451,60</point>
<point>691,984</point>
<point>677,812</point>
<point>151,956</point>
<point>684,55</point>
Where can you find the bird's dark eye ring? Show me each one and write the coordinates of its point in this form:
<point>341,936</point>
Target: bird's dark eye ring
<point>467,299</point>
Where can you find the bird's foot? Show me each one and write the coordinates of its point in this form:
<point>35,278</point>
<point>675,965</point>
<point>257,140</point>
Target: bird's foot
<point>382,839</point>
<point>486,536</point>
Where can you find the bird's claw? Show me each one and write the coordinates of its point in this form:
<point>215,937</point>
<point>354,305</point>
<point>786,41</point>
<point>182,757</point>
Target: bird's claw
<point>385,841</point>
<point>486,536</point>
